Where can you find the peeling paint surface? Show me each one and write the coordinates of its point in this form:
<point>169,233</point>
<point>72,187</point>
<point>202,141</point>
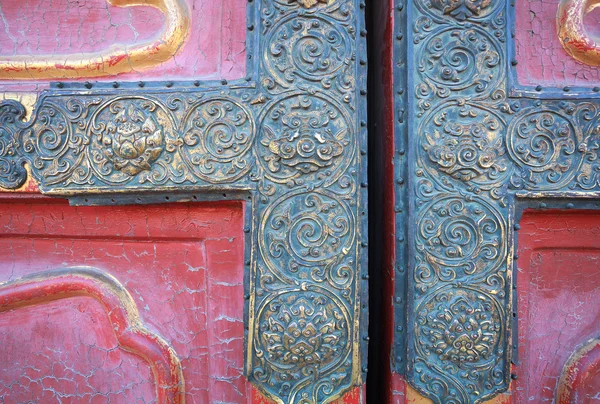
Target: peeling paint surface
<point>542,59</point>
<point>215,47</point>
<point>558,285</point>
<point>181,263</point>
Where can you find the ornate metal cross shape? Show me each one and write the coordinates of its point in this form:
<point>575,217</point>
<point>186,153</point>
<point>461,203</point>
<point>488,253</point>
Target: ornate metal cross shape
<point>291,137</point>
<point>477,143</point>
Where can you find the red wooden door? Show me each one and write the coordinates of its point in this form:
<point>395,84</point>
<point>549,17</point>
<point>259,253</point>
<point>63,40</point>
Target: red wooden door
<point>203,233</point>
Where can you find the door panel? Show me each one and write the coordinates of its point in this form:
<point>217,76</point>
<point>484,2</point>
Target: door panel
<point>182,266</point>
<point>486,105</point>
<point>559,291</point>
<point>122,104</point>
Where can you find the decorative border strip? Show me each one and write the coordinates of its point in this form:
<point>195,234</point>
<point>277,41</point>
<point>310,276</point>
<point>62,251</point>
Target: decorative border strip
<point>292,135</point>
<point>475,149</point>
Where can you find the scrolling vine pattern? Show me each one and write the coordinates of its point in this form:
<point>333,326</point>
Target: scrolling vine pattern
<point>475,148</point>
<point>292,135</point>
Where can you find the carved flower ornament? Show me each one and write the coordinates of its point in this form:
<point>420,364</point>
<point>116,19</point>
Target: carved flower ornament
<point>133,140</point>
<point>307,3</point>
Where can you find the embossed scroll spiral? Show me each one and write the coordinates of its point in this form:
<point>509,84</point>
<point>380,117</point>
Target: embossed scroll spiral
<point>293,135</point>
<point>474,150</point>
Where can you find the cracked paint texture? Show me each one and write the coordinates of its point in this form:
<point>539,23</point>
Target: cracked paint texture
<point>558,287</point>
<point>542,59</point>
<point>214,48</point>
<point>181,263</point>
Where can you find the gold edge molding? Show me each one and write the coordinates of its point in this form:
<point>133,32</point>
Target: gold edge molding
<point>118,58</point>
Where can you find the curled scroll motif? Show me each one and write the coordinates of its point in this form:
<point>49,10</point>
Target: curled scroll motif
<point>304,334</point>
<point>305,140</point>
<point>217,138</point>
<point>462,330</point>
<point>547,147</point>
<point>466,142</point>
<point>127,137</point>
<point>465,60</point>
<point>308,236</point>
<point>459,10</point>
<point>460,240</point>
<point>309,48</point>
<point>57,147</point>
<point>12,170</point>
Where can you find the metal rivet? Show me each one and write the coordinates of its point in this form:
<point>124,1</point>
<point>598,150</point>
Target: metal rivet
<point>366,338</point>
<point>247,262</point>
<point>363,152</point>
<point>363,123</point>
<point>60,84</point>
<point>141,83</point>
<point>567,89</point>
<point>364,184</point>
<point>397,209</point>
<point>400,181</point>
<point>398,300</point>
<point>517,227</point>
<point>514,376</point>
<point>250,27</point>
<point>401,152</point>
<point>516,257</point>
<point>363,32</point>
<point>401,239</point>
<point>197,83</point>
<point>539,88</point>
<point>596,89</point>
<point>543,205</point>
<point>399,328</point>
<point>88,85</point>
<point>246,297</point>
<point>399,37</point>
<point>365,276</point>
<point>514,62</point>
<point>364,244</point>
<point>365,369</point>
<point>570,206</point>
<point>115,84</point>
<point>363,92</point>
<point>246,229</point>
<point>224,82</point>
<point>169,84</point>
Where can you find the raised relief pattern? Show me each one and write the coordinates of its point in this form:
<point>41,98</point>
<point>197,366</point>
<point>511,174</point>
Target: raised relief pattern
<point>476,150</point>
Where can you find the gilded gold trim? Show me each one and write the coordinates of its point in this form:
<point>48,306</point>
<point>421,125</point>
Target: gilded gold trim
<point>118,58</point>
<point>572,33</point>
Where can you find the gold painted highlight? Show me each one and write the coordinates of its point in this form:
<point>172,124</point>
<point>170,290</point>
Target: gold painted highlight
<point>572,33</point>
<point>118,58</point>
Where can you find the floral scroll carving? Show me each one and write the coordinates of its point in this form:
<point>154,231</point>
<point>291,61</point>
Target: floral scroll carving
<point>289,135</point>
<point>476,150</point>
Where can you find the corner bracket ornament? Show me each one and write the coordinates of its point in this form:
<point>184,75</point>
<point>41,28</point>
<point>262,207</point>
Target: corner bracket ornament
<point>291,135</point>
<point>474,150</point>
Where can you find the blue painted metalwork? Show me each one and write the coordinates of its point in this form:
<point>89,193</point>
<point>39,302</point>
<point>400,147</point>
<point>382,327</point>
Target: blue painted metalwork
<point>476,147</point>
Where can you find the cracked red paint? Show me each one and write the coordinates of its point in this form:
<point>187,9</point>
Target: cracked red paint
<point>542,58</point>
<point>215,47</point>
<point>181,263</point>
<point>558,299</point>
